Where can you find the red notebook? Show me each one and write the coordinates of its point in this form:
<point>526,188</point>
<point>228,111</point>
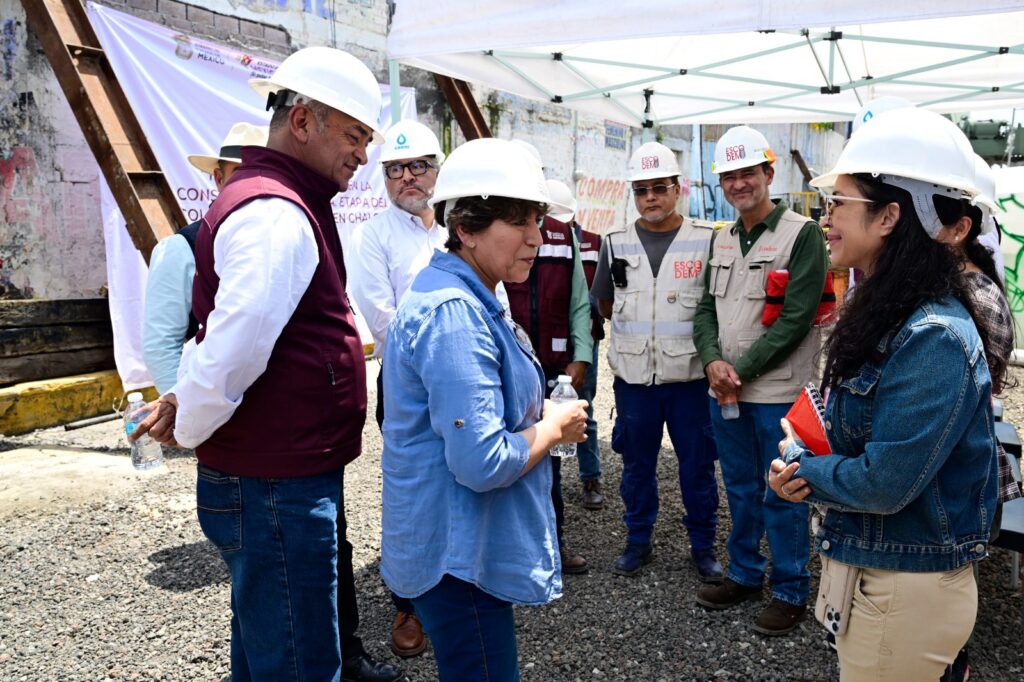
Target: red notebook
<point>807,417</point>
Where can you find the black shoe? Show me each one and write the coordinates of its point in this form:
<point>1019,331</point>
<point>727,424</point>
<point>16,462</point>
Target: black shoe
<point>633,559</point>
<point>708,568</point>
<point>362,668</point>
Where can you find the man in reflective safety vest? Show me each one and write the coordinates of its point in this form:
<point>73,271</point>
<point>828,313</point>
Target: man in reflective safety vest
<point>648,282</point>
<point>553,307</point>
<point>756,367</point>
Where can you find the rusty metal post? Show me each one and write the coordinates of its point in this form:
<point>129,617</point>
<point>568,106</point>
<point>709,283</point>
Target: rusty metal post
<point>464,107</point>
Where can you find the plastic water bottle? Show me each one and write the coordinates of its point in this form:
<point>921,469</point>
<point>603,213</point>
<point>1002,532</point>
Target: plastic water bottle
<point>146,452</point>
<point>564,393</point>
<point>730,409</point>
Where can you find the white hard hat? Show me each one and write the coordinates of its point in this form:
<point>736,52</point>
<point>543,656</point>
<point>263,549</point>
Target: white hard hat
<point>332,77</point>
<point>741,147</point>
<point>240,135</point>
<point>531,150</point>
<point>916,150</point>
<point>878,106</point>
<point>410,140</point>
<point>653,160</point>
<point>985,179</point>
<point>490,167</point>
<point>563,203</point>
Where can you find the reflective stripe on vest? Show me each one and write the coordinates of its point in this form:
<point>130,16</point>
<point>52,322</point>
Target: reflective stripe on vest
<point>554,251</point>
<point>660,328</point>
<point>652,317</point>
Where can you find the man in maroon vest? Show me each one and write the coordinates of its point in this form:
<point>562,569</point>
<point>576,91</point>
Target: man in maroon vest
<point>272,391</point>
<point>553,307</point>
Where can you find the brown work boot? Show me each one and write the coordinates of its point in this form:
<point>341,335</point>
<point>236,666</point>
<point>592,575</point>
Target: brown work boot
<point>407,635</point>
<point>779,618</point>
<point>592,497</point>
<point>725,594</point>
<point>572,564</point>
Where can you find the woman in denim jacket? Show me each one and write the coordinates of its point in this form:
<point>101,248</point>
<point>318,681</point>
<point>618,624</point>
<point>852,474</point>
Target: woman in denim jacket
<point>910,488</point>
<point>468,526</point>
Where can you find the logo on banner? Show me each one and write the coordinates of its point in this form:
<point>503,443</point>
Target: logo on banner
<point>183,46</point>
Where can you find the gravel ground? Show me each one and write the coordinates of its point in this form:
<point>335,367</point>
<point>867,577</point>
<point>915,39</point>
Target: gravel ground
<point>123,585</point>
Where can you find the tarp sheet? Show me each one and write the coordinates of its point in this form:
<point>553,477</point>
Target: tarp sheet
<point>749,61</point>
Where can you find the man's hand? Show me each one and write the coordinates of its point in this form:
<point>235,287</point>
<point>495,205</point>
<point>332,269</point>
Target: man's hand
<point>577,371</point>
<point>724,380</point>
<point>159,423</point>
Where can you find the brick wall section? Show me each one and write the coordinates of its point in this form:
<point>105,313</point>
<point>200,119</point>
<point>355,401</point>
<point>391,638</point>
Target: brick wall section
<point>272,41</point>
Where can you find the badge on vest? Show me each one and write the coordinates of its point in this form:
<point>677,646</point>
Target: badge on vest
<point>685,269</point>
<point>558,236</point>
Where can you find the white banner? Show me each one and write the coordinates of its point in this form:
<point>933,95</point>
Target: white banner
<point>187,93</point>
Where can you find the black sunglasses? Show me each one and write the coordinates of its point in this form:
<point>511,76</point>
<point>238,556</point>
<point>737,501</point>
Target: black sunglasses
<point>418,167</point>
<point>657,189</point>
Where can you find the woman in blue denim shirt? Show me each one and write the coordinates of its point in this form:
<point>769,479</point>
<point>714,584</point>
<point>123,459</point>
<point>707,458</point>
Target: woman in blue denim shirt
<point>468,525</point>
<point>911,485</point>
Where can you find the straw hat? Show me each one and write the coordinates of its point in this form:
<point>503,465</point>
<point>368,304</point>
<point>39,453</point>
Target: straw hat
<point>240,135</point>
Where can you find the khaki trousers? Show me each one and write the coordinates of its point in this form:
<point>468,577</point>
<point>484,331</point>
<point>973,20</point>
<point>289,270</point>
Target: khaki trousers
<point>906,627</point>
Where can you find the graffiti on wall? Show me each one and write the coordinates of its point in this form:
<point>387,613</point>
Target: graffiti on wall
<point>26,210</point>
<point>321,8</point>
<point>602,203</point>
<point>1012,246</point>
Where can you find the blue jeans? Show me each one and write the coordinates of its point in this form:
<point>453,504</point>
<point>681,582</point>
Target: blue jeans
<point>643,412</point>
<point>746,448</point>
<point>588,452</point>
<point>473,633</point>
<point>279,539</point>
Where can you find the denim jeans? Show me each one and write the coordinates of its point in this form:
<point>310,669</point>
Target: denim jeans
<point>643,412</point>
<point>279,539</point>
<point>588,452</point>
<point>746,448</point>
<point>473,633</point>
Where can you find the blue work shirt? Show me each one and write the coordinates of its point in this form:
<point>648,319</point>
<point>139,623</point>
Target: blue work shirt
<point>168,304</point>
<point>912,484</point>
<point>458,386</point>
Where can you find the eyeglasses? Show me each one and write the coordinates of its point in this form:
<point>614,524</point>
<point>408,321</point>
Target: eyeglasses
<point>657,189</point>
<point>833,200</point>
<point>418,167</point>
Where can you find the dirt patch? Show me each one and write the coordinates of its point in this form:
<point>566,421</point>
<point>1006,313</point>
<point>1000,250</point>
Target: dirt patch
<point>49,479</point>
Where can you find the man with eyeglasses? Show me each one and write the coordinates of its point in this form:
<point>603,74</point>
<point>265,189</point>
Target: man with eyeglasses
<point>757,366</point>
<point>649,279</point>
<point>384,257</point>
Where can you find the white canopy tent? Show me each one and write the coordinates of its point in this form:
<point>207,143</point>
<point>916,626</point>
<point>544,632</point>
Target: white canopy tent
<point>706,62</point>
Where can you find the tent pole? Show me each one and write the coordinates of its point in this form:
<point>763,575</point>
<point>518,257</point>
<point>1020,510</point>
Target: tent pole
<point>396,96</point>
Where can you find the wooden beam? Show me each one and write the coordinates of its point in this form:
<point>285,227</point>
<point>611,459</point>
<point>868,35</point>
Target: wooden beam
<point>801,164</point>
<point>114,134</point>
<point>51,365</point>
<point>20,341</point>
<point>464,107</point>
<point>37,313</point>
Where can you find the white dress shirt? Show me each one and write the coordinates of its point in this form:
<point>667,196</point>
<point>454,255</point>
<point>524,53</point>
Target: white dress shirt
<point>168,304</point>
<point>383,258</point>
<point>265,255</point>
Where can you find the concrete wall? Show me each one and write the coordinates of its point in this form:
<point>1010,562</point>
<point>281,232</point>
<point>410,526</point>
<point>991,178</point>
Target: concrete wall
<point>51,243</point>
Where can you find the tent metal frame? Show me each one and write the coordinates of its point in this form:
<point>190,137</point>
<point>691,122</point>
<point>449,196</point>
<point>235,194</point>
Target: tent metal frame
<point>830,84</point>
